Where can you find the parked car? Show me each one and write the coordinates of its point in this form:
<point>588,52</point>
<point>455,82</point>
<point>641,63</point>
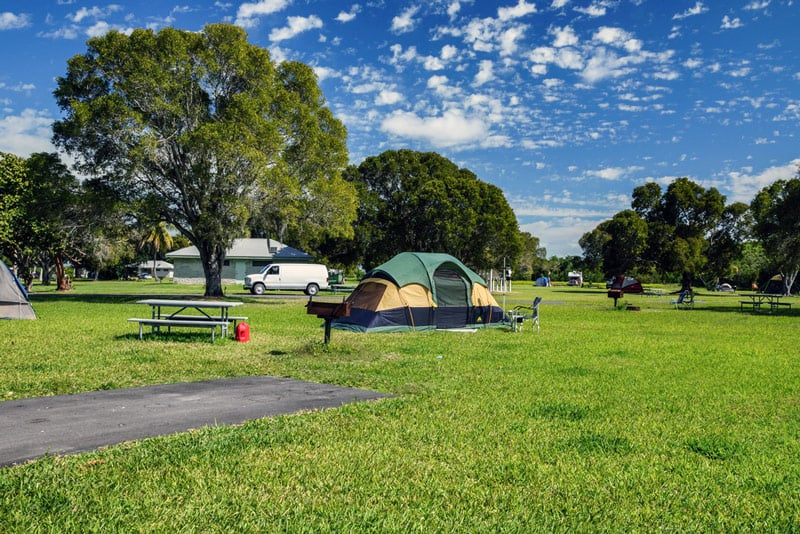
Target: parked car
<point>307,277</point>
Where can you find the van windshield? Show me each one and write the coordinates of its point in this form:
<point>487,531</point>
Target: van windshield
<point>265,269</point>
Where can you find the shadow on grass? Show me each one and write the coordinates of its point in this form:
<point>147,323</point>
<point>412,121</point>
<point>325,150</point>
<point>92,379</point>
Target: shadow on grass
<point>101,298</point>
<point>174,337</point>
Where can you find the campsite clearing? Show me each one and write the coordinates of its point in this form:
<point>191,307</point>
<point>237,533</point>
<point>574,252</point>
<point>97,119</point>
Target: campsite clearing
<point>604,420</point>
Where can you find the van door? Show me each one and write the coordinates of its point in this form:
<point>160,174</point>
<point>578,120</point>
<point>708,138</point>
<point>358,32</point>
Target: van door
<point>272,278</point>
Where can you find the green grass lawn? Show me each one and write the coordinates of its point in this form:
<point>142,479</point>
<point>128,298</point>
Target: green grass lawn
<point>607,419</point>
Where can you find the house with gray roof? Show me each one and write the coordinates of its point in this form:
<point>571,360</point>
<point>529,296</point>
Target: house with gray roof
<point>246,256</point>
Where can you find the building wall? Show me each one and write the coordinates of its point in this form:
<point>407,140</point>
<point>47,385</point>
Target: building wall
<point>190,270</point>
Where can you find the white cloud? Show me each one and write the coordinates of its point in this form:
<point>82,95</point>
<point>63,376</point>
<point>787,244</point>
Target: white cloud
<point>563,36</point>
<point>296,26</point>
<point>485,72</point>
<point>248,13</point>
<point>68,32</point>
<point>731,24</point>
<point>520,10</point>
<point>432,63</point>
<point>453,9</point>
<point>440,85</point>
<point>399,56</point>
<point>744,187</point>
<point>559,235</point>
<point>612,173</point>
<point>448,52</point>
<point>348,16</point>
<point>698,9</point>
<point>323,73</point>
<point>13,21</point>
<point>508,40</point>
<point>741,72</point>
<point>617,37</point>
<point>756,5</point>
<point>605,64</point>
<point>26,133</point>
<point>405,22</point>
<point>93,12</point>
<point>693,63</point>
<point>594,10</point>
<point>101,28</point>
<point>558,4</point>
<point>451,129</point>
<point>387,98</point>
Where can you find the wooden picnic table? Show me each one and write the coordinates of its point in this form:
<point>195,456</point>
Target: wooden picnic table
<point>755,300</point>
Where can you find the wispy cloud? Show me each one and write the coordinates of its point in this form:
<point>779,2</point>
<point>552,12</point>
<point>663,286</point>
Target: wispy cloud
<point>13,21</point>
<point>698,9</point>
<point>450,129</point>
<point>248,14</point>
<point>731,24</point>
<point>295,26</point>
<point>405,21</point>
<point>522,9</point>
<point>347,16</point>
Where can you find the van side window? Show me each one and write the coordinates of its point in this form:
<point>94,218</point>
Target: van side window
<point>274,270</point>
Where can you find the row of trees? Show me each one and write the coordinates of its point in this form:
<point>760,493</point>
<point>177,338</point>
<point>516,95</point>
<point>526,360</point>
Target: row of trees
<point>49,219</point>
<point>201,131</point>
<point>204,133</point>
<point>688,232</point>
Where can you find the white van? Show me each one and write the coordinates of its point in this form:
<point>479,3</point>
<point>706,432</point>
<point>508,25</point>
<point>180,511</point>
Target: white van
<point>308,277</point>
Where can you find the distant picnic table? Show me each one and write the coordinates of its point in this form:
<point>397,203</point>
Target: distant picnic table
<point>756,300</point>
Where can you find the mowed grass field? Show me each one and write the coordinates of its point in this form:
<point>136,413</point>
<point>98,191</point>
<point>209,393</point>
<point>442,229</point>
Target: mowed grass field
<point>606,420</point>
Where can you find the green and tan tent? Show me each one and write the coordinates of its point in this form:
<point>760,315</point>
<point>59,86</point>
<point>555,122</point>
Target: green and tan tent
<point>420,291</point>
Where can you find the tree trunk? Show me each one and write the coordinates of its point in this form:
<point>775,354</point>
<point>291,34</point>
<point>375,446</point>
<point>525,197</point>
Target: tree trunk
<point>62,281</point>
<point>212,257</point>
<point>788,281</point>
<point>46,269</point>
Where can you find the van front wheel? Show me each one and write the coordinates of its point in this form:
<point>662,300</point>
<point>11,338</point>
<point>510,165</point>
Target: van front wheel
<point>258,289</point>
<point>312,289</point>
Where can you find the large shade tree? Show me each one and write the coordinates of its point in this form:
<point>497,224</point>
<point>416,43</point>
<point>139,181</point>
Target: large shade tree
<point>52,227</point>
<point>422,201</point>
<point>776,216</point>
<point>204,129</point>
<point>13,182</point>
<point>46,227</point>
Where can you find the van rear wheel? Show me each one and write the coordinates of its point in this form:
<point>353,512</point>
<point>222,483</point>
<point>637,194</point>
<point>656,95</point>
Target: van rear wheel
<point>312,289</point>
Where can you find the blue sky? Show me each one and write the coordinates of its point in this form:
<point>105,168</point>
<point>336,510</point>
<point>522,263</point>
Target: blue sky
<point>566,105</point>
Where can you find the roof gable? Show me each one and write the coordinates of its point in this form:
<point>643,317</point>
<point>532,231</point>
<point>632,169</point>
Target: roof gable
<point>244,248</point>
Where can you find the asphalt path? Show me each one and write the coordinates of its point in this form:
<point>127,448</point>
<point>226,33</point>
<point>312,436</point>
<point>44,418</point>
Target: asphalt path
<point>68,424</point>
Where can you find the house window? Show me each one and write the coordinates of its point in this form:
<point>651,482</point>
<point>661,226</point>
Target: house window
<point>226,263</point>
<point>260,263</point>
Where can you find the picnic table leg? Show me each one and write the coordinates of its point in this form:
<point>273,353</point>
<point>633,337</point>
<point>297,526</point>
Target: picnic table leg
<point>328,330</point>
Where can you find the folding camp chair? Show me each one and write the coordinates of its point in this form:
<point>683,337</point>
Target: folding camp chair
<point>685,300</point>
<point>520,314</point>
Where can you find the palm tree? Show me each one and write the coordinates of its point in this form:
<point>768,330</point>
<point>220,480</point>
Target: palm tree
<point>159,238</point>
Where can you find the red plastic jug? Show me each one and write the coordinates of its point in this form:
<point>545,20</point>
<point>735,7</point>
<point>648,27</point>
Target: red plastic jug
<point>242,332</point>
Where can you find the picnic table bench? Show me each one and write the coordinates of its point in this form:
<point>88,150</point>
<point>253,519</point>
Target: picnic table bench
<point>155,324</point>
